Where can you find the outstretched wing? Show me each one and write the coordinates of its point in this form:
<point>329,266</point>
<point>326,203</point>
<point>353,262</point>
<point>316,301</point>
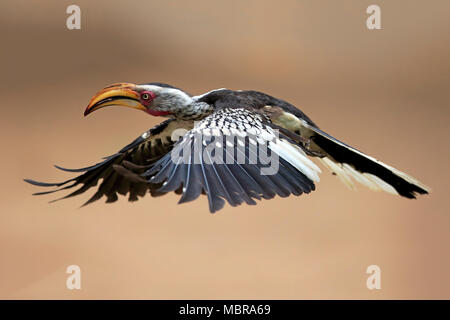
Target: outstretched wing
<point>348,163</point>
<point>234,155</point>
<point>121,172</point>
<point>351,164</point>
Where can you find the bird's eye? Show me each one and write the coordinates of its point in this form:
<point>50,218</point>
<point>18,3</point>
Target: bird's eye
<point>147,97</point>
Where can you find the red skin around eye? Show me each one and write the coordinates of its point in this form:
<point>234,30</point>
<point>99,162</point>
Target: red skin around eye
<point>147,103</point>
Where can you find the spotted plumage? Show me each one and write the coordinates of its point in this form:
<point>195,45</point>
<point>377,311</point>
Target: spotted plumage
<point>232,146</point>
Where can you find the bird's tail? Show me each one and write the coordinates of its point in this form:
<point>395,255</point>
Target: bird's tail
<point>352,165</point>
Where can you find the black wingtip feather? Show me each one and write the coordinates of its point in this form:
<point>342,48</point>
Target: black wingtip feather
<point>40,184</point>
<point>342,153</point>
<point>71,170</point>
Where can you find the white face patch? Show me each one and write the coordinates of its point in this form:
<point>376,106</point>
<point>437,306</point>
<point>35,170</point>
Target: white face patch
<point>167,98</point>
<point>177,102</point>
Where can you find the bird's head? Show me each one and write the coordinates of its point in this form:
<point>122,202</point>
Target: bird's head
<point>156,99</point>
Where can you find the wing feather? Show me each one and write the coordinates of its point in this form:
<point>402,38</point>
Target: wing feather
<point>236,179</point>
<point>219,157</point>
<point>121,172</point>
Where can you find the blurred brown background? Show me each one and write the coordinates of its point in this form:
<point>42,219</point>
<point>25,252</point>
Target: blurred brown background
<point>385,92</point>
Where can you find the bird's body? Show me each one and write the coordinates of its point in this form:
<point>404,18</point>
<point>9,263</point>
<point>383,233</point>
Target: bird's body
<point>236,146</point>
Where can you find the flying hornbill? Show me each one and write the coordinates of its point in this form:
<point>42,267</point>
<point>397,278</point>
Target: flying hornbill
<point>236,125</point>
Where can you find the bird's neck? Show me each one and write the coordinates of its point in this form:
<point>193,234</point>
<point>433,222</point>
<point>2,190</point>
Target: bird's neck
<point>194,111</point>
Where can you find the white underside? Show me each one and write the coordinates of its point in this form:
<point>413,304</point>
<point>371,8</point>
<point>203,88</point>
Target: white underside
<point>297,158</point>
<point>347,174</point>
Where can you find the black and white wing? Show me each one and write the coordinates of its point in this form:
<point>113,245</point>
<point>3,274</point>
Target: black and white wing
<point>121,172</point>
<point>234,155</point>
<point>348,163</point>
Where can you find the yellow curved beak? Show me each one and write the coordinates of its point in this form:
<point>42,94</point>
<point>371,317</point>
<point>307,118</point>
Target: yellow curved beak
<point>118,94</point>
